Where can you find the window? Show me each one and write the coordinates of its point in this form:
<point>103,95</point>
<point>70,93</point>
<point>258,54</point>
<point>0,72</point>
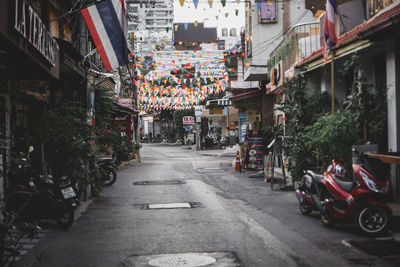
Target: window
<point>224,32</point>
<point>267,13</point>
<point>131,27</point>
<point>133,9</point>
<point>149,22</point>
<point>232,32</point>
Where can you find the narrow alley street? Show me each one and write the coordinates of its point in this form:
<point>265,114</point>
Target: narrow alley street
<point>236,220</point>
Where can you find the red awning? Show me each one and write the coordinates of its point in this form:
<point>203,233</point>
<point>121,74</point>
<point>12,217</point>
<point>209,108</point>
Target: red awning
<point>246,95</point>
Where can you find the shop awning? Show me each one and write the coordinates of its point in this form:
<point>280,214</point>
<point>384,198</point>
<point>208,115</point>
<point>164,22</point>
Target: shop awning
<point>256,73</point>
<point>246,95</point>
<point>124,109</point>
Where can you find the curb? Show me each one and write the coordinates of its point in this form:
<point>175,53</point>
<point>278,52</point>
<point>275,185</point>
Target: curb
<point>127,164</point>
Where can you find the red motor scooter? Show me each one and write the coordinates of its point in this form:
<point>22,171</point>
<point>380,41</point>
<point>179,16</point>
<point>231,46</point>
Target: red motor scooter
<point>360,200</point>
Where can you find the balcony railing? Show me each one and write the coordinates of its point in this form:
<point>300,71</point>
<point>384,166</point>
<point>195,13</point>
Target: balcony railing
<point>375,6</point>
<point>300,42</point>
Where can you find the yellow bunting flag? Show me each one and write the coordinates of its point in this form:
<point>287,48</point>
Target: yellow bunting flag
<point>210,3</point>
<point>181,2</point>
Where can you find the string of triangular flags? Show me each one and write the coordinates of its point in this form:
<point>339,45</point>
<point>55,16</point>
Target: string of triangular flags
<point>210,2</point>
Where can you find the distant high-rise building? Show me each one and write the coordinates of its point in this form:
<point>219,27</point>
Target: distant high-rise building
<point>152,15</point>
<point>151,22</point>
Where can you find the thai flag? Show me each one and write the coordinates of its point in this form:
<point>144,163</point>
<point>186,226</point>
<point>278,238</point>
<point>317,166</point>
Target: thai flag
<point>331,28</point>
<point>107,25</point>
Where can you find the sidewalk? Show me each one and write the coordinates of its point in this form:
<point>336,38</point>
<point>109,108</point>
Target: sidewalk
<point>227,152</point>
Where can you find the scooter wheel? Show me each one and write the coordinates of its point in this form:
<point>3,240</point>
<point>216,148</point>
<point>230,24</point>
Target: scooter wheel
<point>327,219</point>
<point>373,220</point>
<point>305,208</point>
<point>110,177</point>
<point>67,219</point>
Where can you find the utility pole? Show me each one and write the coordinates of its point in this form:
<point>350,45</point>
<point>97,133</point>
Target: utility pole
<point>333,80</point>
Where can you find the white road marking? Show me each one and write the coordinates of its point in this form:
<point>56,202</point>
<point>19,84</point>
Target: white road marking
<point>347,244</point>
<point>275,247</point>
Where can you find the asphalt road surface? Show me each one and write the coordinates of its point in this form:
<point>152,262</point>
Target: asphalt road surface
<point>222,217</point>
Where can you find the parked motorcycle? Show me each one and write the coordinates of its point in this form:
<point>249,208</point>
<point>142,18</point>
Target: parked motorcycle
<point>109,169</point>
<point>33,198</point>
<point>361,200</point>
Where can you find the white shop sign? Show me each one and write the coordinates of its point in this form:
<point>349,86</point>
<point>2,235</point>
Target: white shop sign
<point>188,120</point>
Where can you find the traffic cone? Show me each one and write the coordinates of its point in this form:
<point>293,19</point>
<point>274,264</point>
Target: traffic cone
<point>237,165</point>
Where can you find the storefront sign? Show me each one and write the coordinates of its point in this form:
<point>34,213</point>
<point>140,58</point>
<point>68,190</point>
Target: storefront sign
<point>187,120</point>
<point>255,151</point>
<point>126,102</point>
<point>198,110</point>
<point>28,23</point>
<point>216,111</point>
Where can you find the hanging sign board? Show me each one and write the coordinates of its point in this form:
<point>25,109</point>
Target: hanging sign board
<point>198,110</point>
<point>187,120</point>
<point>212,70</point>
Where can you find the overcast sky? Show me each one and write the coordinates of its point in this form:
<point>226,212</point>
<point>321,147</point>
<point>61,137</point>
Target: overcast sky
<point>205,14</point>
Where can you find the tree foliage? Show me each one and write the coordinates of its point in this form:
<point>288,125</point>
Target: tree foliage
<point>178,121</point>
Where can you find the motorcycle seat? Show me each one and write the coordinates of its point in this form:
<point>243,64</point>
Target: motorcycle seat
<point>317,177</point>
<point>345,185</point>
<point>106,160</point>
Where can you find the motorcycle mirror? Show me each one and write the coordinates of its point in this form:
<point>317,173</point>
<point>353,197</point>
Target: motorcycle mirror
<point>30,150</point>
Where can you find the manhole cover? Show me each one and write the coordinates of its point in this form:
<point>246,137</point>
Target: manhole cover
<point>170,206</point>
<point>160,182</point>
<point>178,260</point>
<point>157,206</point>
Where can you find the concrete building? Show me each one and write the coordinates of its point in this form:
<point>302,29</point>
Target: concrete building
<point>265,28</point>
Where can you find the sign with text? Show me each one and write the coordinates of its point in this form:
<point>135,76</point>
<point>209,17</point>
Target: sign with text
<point>28,23</point>
<point>198,110</point>
<point>126,102</point>
<point>187,120</point>
<point>212,70</point>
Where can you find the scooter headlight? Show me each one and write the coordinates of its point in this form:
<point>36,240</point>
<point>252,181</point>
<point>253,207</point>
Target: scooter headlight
<point>369,182</point>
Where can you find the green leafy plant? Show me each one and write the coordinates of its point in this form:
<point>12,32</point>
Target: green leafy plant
<point>104,106</point>
<point>331,136</point>
<point>66,135</point>
<point>178,121</point>
<point>120,145</point>
<point>302,109</point>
